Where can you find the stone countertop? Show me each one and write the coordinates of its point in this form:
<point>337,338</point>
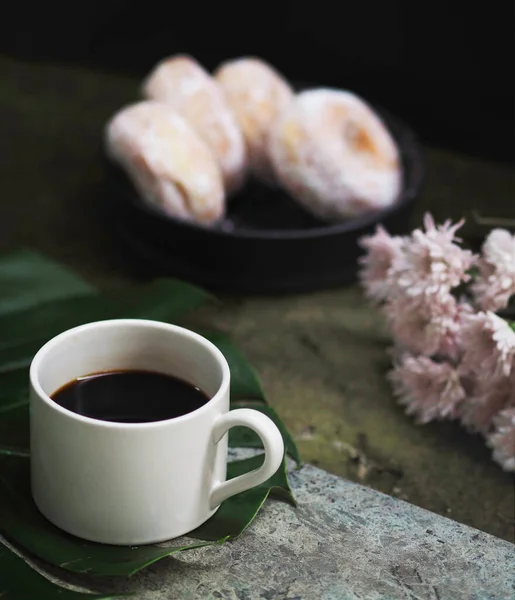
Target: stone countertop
<point>343,542</point>
<point>325,374</point>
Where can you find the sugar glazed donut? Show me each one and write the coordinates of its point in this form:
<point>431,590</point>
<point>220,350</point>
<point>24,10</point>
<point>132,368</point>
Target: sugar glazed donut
<point>257,94</point>
<point>333,154</point>
<point>192,92</point>
<point>167,161</point>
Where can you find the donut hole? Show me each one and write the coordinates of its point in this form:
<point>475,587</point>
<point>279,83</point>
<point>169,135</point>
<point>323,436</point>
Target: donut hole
<point>182,192</point>
<point>359,138</point>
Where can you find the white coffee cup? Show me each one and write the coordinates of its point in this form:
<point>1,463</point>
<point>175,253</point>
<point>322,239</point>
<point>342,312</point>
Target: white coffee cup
<point>136,483</point>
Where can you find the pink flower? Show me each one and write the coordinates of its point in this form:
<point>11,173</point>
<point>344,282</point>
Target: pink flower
<point>488,396</point>
<point>429,390</point>
<point>381,249</point>
<point>488,344</point>
<point>502,440</point>
<point>432,262</point>
<point>495,283</point>
<point>428,328</point>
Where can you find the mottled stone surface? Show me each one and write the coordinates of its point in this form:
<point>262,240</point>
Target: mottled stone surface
<point>343,542</point>
<point>321,356</point>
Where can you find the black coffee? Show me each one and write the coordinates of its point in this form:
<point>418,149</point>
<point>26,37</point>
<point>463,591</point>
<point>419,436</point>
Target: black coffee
<point>130,396</point>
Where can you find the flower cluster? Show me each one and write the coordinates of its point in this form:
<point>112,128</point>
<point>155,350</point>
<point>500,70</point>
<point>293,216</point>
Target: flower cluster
<point>454,355</point>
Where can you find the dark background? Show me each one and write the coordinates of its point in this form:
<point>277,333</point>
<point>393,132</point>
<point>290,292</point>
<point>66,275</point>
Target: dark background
<point>445,67</point>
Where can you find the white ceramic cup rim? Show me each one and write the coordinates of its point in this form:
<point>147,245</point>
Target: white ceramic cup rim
<point>176,329</point>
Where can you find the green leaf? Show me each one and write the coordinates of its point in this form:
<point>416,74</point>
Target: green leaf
<point>28,279</point>
<point>24,333</point>
<point>238,512</point>
<point>23,524</point>
<point>244,381</point>
<point>14,388</point>
<point>14,432</point>
<point>19,581</point>
<point>243,437</point>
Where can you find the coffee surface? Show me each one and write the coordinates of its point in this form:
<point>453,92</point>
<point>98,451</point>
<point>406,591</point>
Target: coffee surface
<point>130,396</point>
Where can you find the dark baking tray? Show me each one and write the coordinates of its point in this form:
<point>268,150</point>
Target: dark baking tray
<point>267,244</point>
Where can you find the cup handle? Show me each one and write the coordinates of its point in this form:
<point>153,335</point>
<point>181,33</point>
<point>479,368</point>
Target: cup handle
<point>272,442</point>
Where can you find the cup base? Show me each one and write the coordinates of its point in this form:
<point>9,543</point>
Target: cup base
<point>123,540</point>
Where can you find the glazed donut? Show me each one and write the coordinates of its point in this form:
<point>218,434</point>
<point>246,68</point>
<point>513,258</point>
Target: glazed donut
<point>257,94</point>
<point>333,154</point>
<point>192,92</point>
<point>167,161</point>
